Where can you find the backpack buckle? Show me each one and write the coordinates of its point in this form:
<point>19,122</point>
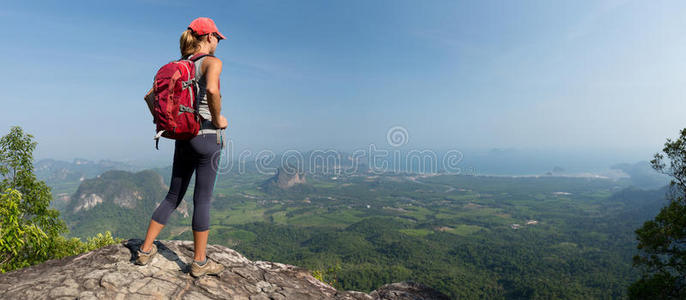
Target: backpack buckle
<point>188,83</point>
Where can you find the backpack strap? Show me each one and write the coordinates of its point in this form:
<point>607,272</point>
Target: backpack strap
<point>157,139</point>
<point>198,56</point>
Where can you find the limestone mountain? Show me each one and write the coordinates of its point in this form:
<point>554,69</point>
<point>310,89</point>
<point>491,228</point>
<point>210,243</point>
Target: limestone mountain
<point>119,201</point>
<point>285,178</point>
<point>109,273</point>
<point>64,177</point>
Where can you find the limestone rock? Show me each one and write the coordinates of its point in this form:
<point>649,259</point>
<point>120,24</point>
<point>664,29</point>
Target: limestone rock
<point>286,177</point>
<point>109,273</point>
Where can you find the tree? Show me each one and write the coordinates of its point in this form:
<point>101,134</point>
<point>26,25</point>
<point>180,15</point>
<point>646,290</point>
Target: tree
<point>662,241</point>
<point>28,221</point>
<point>30,231</point>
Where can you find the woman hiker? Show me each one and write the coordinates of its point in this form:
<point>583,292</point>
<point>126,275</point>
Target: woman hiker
<point>196,154</point>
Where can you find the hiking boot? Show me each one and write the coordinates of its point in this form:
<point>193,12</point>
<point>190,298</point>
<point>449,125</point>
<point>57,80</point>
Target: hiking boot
<point>209,268</point>
<point>143,259</point>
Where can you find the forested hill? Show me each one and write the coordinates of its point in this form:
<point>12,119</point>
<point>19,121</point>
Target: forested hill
<point>119,201</point>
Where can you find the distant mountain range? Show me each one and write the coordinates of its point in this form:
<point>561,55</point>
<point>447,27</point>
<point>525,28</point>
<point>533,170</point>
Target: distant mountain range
<point>50,170</point>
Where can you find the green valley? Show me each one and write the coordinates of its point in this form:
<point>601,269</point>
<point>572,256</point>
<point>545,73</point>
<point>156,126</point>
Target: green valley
<point>467,236</point>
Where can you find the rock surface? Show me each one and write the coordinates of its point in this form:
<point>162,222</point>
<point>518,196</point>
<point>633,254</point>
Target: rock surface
<point>109,273</point>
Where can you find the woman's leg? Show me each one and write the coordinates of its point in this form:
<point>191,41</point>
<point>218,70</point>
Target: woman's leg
<point>206,171</point>
<point>182,170</point>
<point>200,243</point>
<point>153,230</point>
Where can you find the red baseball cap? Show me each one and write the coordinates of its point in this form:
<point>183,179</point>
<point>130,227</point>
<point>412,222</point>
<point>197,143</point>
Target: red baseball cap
<point>202,26</point>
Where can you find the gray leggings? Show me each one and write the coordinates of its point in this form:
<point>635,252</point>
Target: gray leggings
<point>200,154</point>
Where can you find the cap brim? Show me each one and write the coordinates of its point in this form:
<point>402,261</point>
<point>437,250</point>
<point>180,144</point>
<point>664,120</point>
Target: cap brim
<point>221,35</point>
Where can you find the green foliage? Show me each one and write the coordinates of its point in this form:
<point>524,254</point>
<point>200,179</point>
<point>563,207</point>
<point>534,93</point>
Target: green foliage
<point>662,241</point>
<point>73,246</point>
<point>328,275</point>
<point>21,243</point>
<point>30,231</point>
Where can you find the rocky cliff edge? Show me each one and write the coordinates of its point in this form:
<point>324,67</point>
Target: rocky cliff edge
<point>109,273</point>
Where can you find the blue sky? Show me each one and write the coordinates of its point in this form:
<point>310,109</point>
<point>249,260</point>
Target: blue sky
<point>575,76</point>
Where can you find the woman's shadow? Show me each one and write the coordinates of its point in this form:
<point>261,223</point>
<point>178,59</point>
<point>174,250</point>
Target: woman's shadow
<point>169,254</point>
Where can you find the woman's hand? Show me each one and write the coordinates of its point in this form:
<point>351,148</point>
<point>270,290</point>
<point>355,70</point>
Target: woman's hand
<point>221,122</point>
<point>150,99</point>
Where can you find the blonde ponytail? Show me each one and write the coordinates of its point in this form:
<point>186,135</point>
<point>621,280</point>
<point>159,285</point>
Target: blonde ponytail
<point>188,43</point>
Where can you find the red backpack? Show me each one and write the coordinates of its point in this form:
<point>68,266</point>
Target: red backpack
<point>175,90</point>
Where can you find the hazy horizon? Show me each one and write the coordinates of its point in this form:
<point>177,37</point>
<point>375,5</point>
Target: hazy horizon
<point>470,162</point>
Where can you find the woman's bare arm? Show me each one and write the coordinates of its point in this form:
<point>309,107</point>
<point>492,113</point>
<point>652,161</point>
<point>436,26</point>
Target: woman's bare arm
<point>214,98</point>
